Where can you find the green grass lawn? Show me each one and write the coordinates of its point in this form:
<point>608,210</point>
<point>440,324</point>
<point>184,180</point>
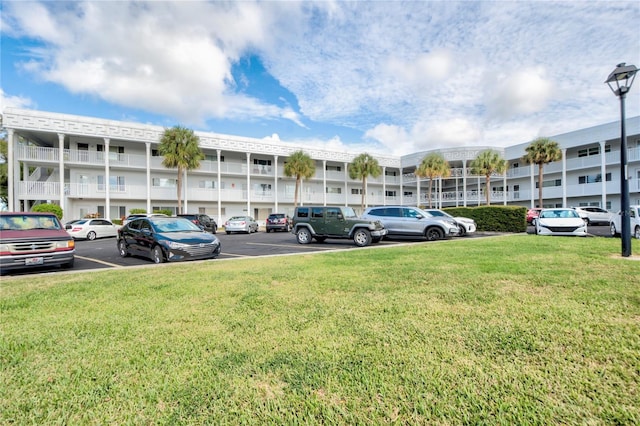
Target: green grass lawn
<point>505,330</point>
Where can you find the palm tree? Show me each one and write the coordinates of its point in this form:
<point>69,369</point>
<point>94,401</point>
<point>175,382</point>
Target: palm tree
<point>487,163</point>
<point>432,166</point>
<point>180,148</point>
<point>301,166</point>
<point>542,151</point>
<point>363,166</point>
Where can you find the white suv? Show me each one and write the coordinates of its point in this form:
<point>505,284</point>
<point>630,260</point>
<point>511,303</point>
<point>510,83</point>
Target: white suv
<point>616,222</point>
<point>594,215</point>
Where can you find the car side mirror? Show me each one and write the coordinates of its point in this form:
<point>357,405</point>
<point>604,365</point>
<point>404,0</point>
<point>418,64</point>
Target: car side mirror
<point>419,216</point>
<point>340,216</point>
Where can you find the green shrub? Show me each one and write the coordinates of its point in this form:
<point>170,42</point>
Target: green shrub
<point>48,208</point>
<point>494,218</point>
<point>137,211</point>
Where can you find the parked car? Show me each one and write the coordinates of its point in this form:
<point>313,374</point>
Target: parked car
<point>634,219</point>
<point>412,221</point>
<point>34,239</point>
<point>137,215</point>
<point>203,221</point>
<point>594,215</point>
<point>245,224</point>
<point>560,221</point>
<point>532,214</point>
<point>322,222</point>
<point>278,222</point>
<point>466,225</point>
<point>163,238</point>
<point>91,229</point>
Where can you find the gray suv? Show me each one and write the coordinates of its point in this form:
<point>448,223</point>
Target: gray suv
<point>321,222</point>
<point>412,221</point>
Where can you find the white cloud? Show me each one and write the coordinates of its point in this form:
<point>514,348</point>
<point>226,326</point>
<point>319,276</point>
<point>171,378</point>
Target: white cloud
<point>8,101</point>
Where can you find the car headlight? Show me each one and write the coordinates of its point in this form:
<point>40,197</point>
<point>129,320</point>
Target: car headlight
<point>176,245</point>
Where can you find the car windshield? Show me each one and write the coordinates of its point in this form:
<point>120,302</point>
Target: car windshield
<point>174,225</point>
<point>439,213</point>
<point>238,218</point>
<point>546,214</point>
<point>348,212</point>
<point>25,222</point>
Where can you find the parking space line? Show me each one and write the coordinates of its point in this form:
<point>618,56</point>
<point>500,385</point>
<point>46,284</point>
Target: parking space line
<point>307,246</point>
<point>90,259</point>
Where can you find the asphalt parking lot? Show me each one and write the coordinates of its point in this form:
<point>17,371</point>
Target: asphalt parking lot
<point>103,253</point>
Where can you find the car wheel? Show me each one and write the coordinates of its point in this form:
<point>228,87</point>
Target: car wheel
<point>156,254</point>
<point>268,230</point>
<point>122,249</point>
<point>636,233</point>
<point>91,236</point>
<point>433,234</point>
<point>463,231</point>
<point>303,236</point>
<point>612,230</point>
<point>376,240</point>
<point>228,232</point>
<point>362,237</point>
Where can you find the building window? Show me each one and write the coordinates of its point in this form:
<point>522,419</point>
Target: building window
<point>116,183</point>
<point>356,191</point>
<point>207,184</point>
<point>334,168</point>
<point>408,193</point>
<point>164,183</point>
<point>390,173</point>
<point>390,193</point>
<point>593,178</point>
<point>333,190</point>
<point>550,183</point>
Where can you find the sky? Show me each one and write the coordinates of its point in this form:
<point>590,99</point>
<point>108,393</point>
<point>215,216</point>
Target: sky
<point>385,77</point>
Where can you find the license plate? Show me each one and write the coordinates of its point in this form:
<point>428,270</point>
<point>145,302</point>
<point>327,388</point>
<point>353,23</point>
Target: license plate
<point>34,261</point>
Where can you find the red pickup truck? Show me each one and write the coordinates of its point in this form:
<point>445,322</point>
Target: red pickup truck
<point>29,240</point>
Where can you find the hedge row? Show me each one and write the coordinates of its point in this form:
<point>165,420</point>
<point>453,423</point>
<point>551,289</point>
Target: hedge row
<point>494,218</point>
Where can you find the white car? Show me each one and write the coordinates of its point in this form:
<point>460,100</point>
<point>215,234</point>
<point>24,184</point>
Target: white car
<point>91,229</point>
<point>634,219</point>
<point>466,225</point>
<point>560,221</point>
<point>594,215</point>
<point>245,224</point>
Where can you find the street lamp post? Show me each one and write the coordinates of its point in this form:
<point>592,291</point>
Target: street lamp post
<point>620,81</point>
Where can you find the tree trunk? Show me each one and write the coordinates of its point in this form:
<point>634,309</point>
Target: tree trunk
<point>179,191</point>
<point>486,189</point>
<point>295,195</point>
<point>540,166</point>
<point>364,194</point>
<point>430,188</point>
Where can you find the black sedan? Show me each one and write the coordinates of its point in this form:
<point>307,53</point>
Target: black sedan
<point>166,239</point>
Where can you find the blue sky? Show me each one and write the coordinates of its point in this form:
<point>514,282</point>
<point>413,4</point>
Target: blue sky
<point>382,76</point>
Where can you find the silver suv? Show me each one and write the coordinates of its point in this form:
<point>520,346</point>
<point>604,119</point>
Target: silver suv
<point>412,221</point>
<point>321,222</point>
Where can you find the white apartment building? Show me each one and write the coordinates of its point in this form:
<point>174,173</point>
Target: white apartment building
<point>89,165</point>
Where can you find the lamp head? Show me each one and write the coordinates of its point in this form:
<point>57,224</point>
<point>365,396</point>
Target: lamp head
<point>621,79</point>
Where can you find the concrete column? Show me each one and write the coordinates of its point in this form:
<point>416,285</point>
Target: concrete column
<point>504,188</point>
<point>603,173</point>
<point>61,173</point>
<point>11,171</point>
<point>324,182</point>
<point>218,152</point>
<point>533,185</point>
<point>248,184</point>
<point>148,154</point>
<point>464,183</point>
<point>275,182</point>
<point>384,185</point>
<point>346,184</point>
<point>564,177</point>
<point>401,187</point>
<point>107,177</point>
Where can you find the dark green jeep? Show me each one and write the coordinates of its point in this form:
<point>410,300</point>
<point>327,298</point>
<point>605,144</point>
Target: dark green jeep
<point>321,222</point>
